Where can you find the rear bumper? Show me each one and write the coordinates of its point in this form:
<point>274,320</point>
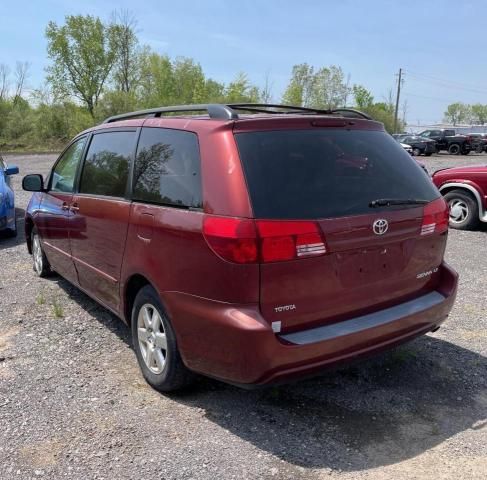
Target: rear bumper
<point>235,344</point>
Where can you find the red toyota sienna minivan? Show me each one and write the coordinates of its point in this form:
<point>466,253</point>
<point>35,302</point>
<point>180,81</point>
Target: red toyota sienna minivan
<point>251,243</point>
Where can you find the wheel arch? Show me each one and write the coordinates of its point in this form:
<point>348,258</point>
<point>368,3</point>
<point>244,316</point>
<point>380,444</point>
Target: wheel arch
<point>132,286</point>
<point>449,186</point>
<point>28,227</point>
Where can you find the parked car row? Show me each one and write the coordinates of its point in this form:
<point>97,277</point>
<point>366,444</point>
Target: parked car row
<point>434,141</point>
<point>419,145</point>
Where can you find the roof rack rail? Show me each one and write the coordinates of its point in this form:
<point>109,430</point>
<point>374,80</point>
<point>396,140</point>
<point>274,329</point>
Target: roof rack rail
<point>228,112</point>
<point>290,109</point>
<point>214,110</point>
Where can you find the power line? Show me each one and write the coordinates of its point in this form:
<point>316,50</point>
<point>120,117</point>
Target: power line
<point>445,83</point>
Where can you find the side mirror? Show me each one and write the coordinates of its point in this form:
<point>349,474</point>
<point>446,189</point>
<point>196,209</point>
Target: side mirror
<point>33,183</point>
<point>13,170</point>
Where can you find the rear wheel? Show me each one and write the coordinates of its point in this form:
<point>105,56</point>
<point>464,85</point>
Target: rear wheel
<point>464,211</point>
<point>41,264</point>
<point>454,149</point>
<point>479,149</point>
<point>416,152</point>
<point>155,344</point>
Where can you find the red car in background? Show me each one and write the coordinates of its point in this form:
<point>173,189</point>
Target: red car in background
<point>465,190</point>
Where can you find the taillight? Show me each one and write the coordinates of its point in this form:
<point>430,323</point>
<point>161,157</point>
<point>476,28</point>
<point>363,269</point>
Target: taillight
<point>435,217</point>
<point>287,240</point>
<point>233,239</point>
<point>248,241</point>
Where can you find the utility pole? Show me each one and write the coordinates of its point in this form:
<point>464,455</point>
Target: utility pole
<point>397,99</point>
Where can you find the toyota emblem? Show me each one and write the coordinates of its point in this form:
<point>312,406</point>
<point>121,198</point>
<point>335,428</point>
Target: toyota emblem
<point>380,226</point>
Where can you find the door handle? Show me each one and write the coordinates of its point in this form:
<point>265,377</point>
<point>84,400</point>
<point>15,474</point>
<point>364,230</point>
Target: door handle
<point>64,206</point>
<point>74,208</point>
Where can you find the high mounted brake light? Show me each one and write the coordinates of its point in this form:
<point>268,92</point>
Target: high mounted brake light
<point>248,241</point>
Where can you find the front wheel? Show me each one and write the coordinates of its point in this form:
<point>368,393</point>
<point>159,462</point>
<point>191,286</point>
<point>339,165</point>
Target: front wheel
<point>464,211</point>
<point>155,344</point>
<point>416,152</point>
<point>41,264</point>
<point>454,149</point>
<point>12,233</point>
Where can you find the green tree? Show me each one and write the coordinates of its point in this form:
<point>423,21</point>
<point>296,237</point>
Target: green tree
<point>479,113</point>
<point>456,113</point>
<point>329,89</point>
<point>240,90</point>
<point>126,73</point>
<point>300,89</point>
<point>83,52</point>
<point>189,81</point>
<point>363,98</point>
<point>156,80</point>
<point>214,91</point>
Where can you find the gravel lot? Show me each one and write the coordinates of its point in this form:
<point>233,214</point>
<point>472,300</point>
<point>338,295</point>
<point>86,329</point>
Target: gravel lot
<point>73,403</point>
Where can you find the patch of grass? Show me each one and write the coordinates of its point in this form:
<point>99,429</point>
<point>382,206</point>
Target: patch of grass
<point>57,309</point>
<point>40,299</point>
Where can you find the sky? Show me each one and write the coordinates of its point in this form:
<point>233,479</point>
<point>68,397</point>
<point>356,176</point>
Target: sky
<point>438,43</point>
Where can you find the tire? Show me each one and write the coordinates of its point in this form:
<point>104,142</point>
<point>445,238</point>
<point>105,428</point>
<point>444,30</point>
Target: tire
<point>41,263</point>
<point>155,344</point>
<point>464,210</point>
<point>454,149</point>
<point>479,149</point>
<point>416,152</point>
<point>12,233</point>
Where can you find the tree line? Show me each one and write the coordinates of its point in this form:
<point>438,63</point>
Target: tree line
<point>98,69</point>
<point>462,113</point>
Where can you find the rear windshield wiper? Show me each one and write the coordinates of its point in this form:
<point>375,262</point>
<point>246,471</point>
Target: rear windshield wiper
<point>387,202</point>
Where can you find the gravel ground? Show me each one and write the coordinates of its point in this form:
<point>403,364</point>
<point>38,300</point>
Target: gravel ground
<point>74,404</point>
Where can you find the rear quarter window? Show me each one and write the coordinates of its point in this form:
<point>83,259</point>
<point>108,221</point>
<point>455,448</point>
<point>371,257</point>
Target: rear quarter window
<point>167,168</point>
<point>326,173</point>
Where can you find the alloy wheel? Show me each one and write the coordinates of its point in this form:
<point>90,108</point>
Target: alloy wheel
<point>152,339</point>
<point>37,255</point>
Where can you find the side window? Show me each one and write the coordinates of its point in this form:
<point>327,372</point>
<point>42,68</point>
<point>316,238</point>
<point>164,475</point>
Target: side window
<point>167,168</point>
<point>425,133</point>
<point>64,173</point>
<point>106,167</point>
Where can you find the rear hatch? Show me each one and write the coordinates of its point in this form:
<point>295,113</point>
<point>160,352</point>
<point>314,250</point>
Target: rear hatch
<point>328,252</point>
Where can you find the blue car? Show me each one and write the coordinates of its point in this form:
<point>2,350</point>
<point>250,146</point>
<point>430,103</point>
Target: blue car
<point>8,221</point>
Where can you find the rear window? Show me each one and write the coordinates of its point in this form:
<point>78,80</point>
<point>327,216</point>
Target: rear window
<point>305,174</point>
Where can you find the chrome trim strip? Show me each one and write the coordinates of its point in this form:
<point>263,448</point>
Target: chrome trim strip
<point>364,322</point>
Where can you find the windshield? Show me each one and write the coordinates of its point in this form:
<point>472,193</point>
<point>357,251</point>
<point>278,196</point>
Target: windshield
<point>304,174</point>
